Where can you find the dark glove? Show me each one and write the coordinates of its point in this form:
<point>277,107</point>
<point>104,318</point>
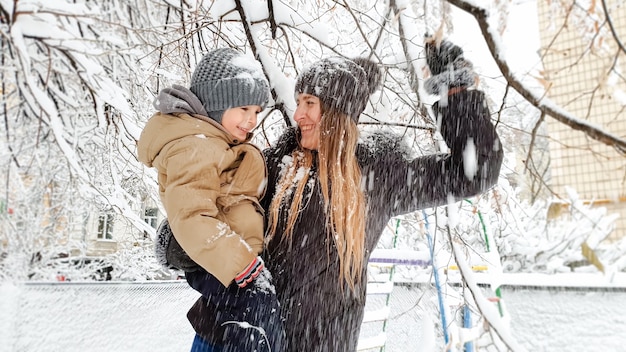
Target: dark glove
<point>448,67</point>
<point>250,272</point>
<point>169,253</point>
<point>438,57</point>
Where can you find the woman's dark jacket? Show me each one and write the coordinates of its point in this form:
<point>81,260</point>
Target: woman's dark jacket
<point>320,314</point>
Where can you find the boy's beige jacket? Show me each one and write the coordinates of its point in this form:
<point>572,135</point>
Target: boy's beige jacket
<point>210,185</point>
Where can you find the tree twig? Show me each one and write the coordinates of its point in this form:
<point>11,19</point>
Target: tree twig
<point>612,27</point>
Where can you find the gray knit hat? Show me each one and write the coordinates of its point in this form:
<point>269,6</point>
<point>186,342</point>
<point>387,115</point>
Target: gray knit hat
<point>226,78</point>
<point>341,84</point>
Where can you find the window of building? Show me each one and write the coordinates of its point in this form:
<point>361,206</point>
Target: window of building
<point>105,227</point>
<point>150,216</point>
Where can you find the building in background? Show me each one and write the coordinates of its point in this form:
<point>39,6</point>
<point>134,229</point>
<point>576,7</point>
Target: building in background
<point>584,62</point>
<point>107,232</point>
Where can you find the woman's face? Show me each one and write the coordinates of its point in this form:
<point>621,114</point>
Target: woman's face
<point>308,116</point>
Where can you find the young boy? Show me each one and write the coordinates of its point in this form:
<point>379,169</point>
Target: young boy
<point>210,181</point>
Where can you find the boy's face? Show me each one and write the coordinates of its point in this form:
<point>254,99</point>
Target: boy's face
<point>241,120</point>
<point>308,115</point>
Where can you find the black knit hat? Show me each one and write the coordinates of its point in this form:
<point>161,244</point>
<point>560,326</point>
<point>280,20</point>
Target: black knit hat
<point>448,67</point>
<point>226,78</point>
<point>340,83</point>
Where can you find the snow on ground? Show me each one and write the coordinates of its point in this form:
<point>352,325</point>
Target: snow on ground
<point>150,316</point>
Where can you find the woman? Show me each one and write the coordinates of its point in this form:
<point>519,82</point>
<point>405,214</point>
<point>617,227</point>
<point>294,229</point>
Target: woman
<point>329,196</point>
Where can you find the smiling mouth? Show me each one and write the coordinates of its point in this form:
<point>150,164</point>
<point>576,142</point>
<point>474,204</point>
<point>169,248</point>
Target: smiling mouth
<point>306,128</point>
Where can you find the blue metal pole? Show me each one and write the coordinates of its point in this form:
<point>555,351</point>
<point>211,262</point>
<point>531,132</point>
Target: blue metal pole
<point>431,246</point>
<point>467,323</point>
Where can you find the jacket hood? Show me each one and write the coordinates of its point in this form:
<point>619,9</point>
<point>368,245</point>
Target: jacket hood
<point>162,129</point>
<point>177,99</point>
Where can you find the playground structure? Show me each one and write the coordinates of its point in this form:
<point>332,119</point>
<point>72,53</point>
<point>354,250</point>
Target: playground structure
<point>467,298</point>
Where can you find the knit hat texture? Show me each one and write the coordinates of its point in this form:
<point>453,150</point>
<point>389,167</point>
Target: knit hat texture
<point>226,78</point>
<point>448,67</point>
<point>341,84</point>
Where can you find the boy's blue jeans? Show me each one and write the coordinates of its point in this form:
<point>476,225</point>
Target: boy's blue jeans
<point>201,345</point>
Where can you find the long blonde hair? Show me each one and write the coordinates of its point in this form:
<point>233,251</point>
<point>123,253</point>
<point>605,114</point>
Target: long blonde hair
<point>340,181</point>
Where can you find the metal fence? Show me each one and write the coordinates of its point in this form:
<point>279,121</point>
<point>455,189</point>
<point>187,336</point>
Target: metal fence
<point>150,316</point>
<point>147,316</point>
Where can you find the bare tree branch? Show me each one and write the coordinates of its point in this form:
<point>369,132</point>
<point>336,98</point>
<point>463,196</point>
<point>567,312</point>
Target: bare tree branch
<point>612,27</point>
<point>400,124</point>
<point>413,74</point>
<point>246,26</point>
<point>484,306</point>
<point>272,19</point>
